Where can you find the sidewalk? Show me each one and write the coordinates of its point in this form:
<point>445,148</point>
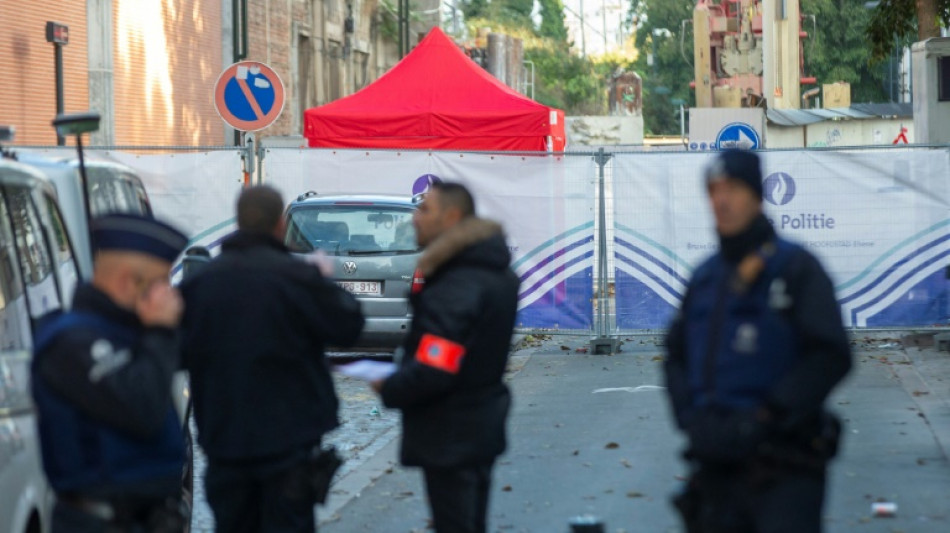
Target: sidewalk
<point>590,434</point>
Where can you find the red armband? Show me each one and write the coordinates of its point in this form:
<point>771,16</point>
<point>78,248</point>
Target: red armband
<point>440,353</point>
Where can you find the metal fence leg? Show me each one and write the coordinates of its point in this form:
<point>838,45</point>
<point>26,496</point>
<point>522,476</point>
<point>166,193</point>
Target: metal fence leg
<point>602,343</point>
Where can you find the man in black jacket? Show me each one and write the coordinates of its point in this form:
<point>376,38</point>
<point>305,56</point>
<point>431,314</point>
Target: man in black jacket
<point>756,349</point>
<point>449,383</point>
<point>256,323</point>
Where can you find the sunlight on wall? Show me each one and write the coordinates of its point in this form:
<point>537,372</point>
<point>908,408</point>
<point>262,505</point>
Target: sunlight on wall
<point>141,36</point>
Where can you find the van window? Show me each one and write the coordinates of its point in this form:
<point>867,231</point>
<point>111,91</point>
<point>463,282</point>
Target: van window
<point>14,328</point>
<point>66,265</point>
<point>114,192</point>
<point>35,262</point>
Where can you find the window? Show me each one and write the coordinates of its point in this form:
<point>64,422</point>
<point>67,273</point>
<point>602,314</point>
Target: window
<point>35,263</point>
<point>68,272</point>
<point>345,230</point>
<point>943,79</point>
<point>14,322</point>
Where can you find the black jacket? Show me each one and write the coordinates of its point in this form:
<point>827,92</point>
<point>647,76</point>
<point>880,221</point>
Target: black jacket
<point>256,322</point>
<point>455,414</point>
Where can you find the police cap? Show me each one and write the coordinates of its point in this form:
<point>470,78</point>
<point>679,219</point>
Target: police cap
<point>137,233</point>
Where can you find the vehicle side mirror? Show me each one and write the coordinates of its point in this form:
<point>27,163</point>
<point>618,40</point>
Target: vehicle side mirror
<point>195,260</point>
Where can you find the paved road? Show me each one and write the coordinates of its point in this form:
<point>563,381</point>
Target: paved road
<point>579,449</point>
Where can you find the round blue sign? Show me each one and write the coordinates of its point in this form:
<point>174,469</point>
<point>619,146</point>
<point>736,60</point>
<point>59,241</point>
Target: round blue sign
<point>737,135</point>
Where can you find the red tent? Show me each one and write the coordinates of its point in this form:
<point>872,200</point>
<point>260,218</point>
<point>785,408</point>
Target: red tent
<point>436,98</point>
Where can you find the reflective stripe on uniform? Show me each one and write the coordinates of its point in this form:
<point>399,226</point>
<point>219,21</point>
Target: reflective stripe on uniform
<point>440,353</point>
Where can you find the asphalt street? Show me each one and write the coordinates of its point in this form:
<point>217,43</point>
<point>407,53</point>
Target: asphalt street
<point>591,435</point>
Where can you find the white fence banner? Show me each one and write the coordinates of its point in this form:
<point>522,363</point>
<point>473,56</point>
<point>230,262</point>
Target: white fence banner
<point>195,191</point>
<point>879,220</point>
<point>545,202</point>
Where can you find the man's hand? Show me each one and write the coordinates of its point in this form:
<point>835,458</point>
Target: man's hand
<point>161,305</point>
<point>377,385</point>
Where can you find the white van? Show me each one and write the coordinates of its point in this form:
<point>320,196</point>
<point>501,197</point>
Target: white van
<point>38,274</point>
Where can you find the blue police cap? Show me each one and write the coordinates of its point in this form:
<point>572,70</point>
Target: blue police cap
<point>137,233</point>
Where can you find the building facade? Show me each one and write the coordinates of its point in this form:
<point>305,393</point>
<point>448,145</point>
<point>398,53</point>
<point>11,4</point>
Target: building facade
<point>149,66</point>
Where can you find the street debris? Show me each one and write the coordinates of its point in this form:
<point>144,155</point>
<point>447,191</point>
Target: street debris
<point>884,509</point>
<point>612,446</point>
<point>641,388</point>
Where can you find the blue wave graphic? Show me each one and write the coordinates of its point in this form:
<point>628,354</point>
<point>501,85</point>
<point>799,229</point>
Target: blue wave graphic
<point>650,275</point>
<point>554,256</point>
<point>646,255</point>
<point>905,277</point>
<point>554,273</point>
<point>903,261</point>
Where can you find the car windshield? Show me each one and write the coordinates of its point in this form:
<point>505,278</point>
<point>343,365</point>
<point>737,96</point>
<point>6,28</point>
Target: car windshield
<point>346,229</point>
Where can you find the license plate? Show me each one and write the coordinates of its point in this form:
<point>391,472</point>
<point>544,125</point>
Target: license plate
<point>370,288</point>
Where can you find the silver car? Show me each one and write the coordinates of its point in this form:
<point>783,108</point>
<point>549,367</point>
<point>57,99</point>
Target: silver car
<point>371,243</point>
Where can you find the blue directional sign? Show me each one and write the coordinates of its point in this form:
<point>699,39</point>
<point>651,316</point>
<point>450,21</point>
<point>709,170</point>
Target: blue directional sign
<point>737,135</point>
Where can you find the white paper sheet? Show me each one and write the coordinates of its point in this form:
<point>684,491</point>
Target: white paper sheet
<point>367,370</point>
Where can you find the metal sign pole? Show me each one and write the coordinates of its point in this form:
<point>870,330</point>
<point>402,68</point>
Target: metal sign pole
<point>602,343</point>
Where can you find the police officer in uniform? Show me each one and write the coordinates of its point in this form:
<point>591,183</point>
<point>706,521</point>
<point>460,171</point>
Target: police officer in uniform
<point>111,439</point>
<point>757,347</point>
<point>449,383</point>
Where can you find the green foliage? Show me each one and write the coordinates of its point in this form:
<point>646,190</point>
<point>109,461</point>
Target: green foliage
<point>836,48</point>
<point>563,79</point>
<point>552,20</point>
<point>896,21</point>
<point>474,8</point>
<point>669,76</point>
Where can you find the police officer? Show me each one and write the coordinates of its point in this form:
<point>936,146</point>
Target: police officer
<point>111,439</point>
<point>449,383</point>
<point>757,347</point>
<point>256,323</point>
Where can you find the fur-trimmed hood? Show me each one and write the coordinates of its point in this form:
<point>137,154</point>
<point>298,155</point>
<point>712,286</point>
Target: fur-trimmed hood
<point>484,236</point>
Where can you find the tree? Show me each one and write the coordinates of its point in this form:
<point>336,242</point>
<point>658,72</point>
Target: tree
<point>898,19</point>
<point>659,28</point>
<point>552,20</point>
<point>836,48</point>
<point>474,8</point>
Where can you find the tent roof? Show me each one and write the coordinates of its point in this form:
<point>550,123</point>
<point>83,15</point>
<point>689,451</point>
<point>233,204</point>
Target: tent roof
<point>435,95</point>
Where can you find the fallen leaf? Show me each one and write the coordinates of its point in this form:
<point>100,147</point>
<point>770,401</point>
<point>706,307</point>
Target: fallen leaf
<point>920,392</point>
<point>656,358</point>
<point>626,463</point>
<point>506,488</point>
<point>565,348</point>
<point>576,452</point>
<point>612,446</point>
<point>634,494</point>
<point>581,350</point>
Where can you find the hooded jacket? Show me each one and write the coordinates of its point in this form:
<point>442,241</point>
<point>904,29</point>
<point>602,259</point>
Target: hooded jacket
<point>449,384</point>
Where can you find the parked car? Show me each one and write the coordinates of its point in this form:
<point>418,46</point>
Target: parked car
<point>372,245</point>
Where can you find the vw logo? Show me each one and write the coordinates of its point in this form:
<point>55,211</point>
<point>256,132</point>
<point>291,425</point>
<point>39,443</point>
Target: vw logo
<point>349,267</point>
<point>779,188</point>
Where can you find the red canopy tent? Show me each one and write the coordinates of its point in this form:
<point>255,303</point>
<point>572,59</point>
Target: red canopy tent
<point>436,98</point>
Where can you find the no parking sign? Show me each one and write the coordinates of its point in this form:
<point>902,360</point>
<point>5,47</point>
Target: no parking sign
<point>249,96</point>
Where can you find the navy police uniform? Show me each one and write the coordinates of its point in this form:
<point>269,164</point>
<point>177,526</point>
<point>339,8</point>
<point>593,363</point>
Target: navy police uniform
<point>112,443</point>
<point>757,347</point>
<point>449,384</point>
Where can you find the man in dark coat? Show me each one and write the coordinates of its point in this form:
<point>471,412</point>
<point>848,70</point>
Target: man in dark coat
<point>449,383</point>
<point>111,439</point>
<point>757,347</point>
<point>256,323</point>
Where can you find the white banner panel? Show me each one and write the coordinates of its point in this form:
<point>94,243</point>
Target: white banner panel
<point>878,220</point>
<point>195,191</point>
<point>545,203</point>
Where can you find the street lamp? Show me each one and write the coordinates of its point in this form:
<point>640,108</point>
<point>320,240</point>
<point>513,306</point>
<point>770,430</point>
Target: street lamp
<point>77,124</point>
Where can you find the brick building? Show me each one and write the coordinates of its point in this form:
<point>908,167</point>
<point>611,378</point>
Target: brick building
<point>149,66</point>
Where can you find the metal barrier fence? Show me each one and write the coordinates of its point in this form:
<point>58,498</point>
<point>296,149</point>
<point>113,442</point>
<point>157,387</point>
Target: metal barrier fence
<point>605,241</point>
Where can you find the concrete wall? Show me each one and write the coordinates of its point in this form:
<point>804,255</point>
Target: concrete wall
<point>603,130</point>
